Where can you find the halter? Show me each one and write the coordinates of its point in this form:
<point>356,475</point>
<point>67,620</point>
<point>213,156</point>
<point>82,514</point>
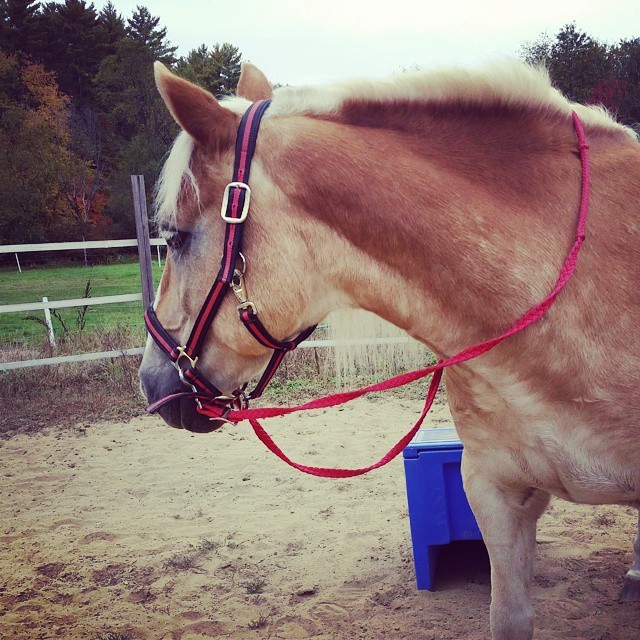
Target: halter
<point>234,211</point>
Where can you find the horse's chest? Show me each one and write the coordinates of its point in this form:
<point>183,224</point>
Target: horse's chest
<point>567,450</point>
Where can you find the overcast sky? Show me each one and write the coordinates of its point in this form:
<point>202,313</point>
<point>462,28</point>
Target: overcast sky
<point>300,42</point>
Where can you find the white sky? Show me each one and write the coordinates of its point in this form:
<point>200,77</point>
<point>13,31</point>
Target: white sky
<point>300,42</point>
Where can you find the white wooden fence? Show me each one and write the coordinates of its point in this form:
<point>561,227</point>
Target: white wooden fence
<point>67,246</point>
<point>47,305</point>
<point>143,242</point>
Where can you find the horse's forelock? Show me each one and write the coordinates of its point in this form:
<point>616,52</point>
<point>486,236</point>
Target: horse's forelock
<point>176,175</point>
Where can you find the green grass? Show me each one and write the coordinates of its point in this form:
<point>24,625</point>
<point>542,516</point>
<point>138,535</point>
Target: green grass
<point>68,282</point>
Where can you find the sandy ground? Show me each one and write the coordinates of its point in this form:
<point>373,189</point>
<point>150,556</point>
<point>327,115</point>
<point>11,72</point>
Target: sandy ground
<point>153,533</point>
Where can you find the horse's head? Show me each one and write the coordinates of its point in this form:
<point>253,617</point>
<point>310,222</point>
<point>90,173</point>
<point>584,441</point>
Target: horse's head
<point>283,279</point>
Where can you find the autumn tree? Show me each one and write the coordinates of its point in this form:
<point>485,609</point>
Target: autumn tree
<point>577,62</point>
<point>627,65</point>
<point>34,159</point>
<point>86,175</point>
<point>589,71</point>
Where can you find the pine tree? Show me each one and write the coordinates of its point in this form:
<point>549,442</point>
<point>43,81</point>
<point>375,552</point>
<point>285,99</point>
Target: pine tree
<point>112,27</point>
<point>19,26</point>
<point>217,70</point>
<point>73,51</point>
<point>143,27</point>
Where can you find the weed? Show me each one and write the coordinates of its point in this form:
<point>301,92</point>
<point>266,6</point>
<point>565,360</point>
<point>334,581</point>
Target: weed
<point>192,559</point>
<point>80,317</point>
<point>81,314</point>
<point>605,520</point>
<point>259,623</point>
<point>183,561</point>
<point>255,586</point>
<point>208,545</point>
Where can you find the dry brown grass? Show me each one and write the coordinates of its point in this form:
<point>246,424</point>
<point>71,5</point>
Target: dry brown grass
<point>79,394</point>
<point>71,394</point>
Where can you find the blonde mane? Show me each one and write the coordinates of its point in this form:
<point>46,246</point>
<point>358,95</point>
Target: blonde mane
<point>508,83</point>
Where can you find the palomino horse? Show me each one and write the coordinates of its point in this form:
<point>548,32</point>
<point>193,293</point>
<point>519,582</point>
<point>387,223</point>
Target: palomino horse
<point>445,203</point>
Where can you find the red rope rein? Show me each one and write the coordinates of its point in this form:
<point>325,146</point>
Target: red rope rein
<point>531,316</point>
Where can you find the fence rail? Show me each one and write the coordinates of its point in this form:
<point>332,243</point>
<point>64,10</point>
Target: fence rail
<point>70,246</point>
<point>65,304</point>
<point>136,351</point>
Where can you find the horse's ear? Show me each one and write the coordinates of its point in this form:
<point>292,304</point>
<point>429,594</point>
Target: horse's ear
<point>253,84</point>
<point>196,110</point>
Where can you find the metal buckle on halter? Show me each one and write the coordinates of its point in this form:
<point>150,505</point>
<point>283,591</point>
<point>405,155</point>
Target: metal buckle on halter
<point>237,400</point>
<point>182,353</point>
<point>248,305</point>
<point>225,202</point>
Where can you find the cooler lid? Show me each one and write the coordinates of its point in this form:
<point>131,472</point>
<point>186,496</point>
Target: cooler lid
<point>433,439</point>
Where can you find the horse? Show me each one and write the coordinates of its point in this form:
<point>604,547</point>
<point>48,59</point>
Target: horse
<point>444,202</point>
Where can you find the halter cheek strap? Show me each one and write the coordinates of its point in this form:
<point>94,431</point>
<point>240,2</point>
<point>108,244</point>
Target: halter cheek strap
<point>235,209</point>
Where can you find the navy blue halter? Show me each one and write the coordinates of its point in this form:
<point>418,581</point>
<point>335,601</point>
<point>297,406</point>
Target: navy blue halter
<point>234,211</point>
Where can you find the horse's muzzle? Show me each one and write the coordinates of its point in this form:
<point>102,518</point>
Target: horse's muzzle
<point>181,413</point>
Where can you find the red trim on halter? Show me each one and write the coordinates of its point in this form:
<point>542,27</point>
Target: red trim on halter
<point>200,327</point>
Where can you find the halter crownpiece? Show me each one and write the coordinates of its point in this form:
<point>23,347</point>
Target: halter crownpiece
<point>235,209</point>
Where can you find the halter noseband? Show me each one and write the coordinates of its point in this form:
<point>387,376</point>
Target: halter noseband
<point>234,211</point>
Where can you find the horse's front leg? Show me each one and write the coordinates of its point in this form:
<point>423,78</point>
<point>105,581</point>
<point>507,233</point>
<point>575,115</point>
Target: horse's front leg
<point>631,586</point>
<point>507,520</point>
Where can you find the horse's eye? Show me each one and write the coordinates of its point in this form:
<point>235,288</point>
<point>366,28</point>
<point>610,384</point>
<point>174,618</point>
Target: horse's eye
<point>175,238</point>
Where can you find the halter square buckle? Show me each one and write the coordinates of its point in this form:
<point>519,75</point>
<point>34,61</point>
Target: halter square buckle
<point>225,202</point>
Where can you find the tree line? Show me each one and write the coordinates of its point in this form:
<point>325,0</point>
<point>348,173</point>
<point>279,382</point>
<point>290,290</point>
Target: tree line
<point>591,72</point>
<point>79,112</point>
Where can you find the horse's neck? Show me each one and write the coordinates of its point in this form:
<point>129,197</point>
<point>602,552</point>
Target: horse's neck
<point>447,233</point>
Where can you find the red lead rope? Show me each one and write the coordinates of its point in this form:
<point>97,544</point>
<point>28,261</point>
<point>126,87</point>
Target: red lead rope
<point>535,313</point>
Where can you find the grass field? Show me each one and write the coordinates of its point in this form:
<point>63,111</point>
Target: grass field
<point>66,282</point>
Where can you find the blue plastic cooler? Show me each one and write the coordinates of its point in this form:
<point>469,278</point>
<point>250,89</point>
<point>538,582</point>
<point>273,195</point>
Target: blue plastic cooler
<point>439,512</point>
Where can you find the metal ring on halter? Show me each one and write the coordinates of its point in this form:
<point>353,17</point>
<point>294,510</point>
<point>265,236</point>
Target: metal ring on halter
<point>237,400</point>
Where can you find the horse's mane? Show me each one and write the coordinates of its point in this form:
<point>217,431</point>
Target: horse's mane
<point>508,83</point>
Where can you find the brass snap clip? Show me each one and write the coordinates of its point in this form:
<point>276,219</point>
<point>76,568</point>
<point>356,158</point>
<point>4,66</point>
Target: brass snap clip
<point>239,288</point>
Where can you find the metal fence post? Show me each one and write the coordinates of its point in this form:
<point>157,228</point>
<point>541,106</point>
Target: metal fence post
<point>142,233</point>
